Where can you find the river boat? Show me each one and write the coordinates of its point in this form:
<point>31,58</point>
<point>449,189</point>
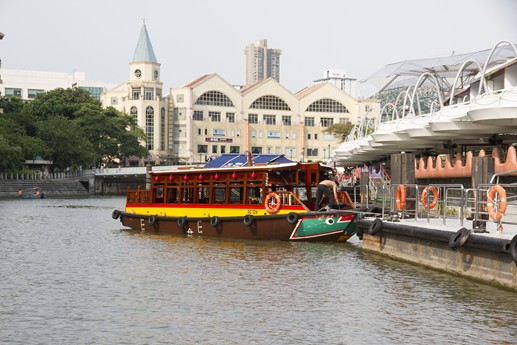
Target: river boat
<point>262,201</point>
<point>32,193</point>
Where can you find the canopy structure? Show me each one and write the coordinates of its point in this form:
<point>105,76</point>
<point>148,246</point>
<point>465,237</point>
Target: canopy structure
<point>406,72</point>
<point>235,159</point>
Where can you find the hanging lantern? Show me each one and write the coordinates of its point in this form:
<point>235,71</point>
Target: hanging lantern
<point>253,175</point>
<point>157,178</point>
<point>170,178</point>
<point>234,175</point>
<point>216,177</point>
<point>185,177</point>
<point>200,177</point>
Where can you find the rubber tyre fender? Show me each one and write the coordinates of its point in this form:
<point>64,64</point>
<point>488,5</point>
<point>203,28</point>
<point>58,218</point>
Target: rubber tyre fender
<point>375,227</point>
<point>248,220</point>
<point>116,214</point>
<point>215,221</point>
<point>182,222</point>
<point>292,218</point>
<point>513,248</point>
<point>359,233</point>
<point>459,238</point>
<point>153,220</point>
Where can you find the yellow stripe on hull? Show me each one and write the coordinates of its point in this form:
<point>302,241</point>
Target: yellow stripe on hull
<point>202,211</point>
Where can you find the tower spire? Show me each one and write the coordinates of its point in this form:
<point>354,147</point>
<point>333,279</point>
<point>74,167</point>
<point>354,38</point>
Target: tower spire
<point>144,49</point>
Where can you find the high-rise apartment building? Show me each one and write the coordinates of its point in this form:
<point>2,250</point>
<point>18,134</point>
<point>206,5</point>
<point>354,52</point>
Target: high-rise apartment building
<point>262,63</point>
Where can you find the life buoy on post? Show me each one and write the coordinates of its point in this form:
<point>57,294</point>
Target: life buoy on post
<point>424,196</point>
<point>496,212</point>
<point>400,197</point>
<point>272,207</point>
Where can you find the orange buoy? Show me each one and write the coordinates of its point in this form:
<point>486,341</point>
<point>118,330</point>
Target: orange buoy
<point>424,196</point>
<point>400,197</point>
<point>496,212</point>
<point>272,207</point>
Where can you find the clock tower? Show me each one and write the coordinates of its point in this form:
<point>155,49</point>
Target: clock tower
<point>145,97</point>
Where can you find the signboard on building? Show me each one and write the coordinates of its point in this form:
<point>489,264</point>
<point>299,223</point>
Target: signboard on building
<point>219,140</point>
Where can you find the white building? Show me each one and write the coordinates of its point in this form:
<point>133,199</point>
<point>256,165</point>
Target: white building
<point>141,96</point>
<point>262,62</point>
<point>28,84</point>
<point>208,116</point>
<point>338,78</point>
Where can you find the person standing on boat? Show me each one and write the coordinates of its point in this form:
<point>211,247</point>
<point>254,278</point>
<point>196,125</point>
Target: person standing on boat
<point>328,188</point>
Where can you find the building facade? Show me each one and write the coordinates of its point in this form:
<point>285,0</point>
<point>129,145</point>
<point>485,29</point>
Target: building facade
<point>29,84</point>
<point>142,97</point>
<point>262,62</point>
<point>208,116</point>
<point>211,117</point>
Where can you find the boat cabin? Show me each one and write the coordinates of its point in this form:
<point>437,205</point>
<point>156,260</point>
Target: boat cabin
<point>294,183</point>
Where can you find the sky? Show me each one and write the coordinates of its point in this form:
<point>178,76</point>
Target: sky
<point>197,37</point>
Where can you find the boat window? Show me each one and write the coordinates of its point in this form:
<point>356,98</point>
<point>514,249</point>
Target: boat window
<point>203,195</point>
<point>172,195</point>
<point>219,195</point>
<point>254,195</point>
<point>301,193</point>
<point>236,195</point>
<point>158,195</point>
<point>188,195</point>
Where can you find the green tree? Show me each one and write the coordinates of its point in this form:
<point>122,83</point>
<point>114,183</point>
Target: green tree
<point>11,104</point>
<point>10,156</point>
<point>340,130</point>
<point>18,132</point>
<point>67,144</point>
<point>60,102</point>
<point>113,134</point>
<point>70,128</point>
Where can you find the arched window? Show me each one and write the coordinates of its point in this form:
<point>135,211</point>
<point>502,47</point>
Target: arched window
<point>327,105</point>
<point>269,102</point>
<point>162,129</point>
<point>214,98</point>
<point>134,111</point>
<point>149,127</point>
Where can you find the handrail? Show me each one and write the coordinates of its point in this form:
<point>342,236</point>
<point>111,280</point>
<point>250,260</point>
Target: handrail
<point>488,60</point>
<point>503,173</point>
<point>445,187</point>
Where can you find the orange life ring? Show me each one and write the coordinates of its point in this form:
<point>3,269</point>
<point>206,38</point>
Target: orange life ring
<point>424,196</point>
<point>400,197</point>
<point>272,208</point>
<point>496,212</point>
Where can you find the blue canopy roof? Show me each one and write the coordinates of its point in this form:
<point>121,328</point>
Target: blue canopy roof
<point>236,159</point>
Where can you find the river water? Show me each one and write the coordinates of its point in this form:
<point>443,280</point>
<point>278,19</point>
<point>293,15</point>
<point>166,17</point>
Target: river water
<point>70,274</point>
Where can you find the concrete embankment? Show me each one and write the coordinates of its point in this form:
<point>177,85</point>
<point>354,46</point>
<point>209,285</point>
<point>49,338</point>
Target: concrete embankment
<point>55,187</point>
<point>485,257</point>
